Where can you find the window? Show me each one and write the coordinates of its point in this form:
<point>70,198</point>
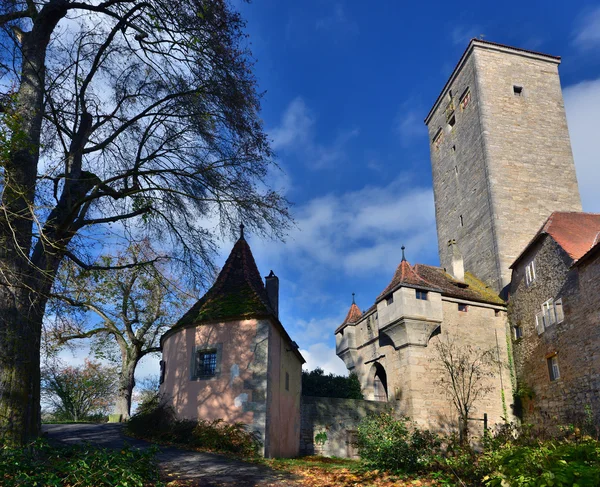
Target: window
<point>518,332</point>
<point>463,308</point>
<point>465,99</point>
<point>539,322</point>
<point>530,273</point>
<point>496,312</point>
<point>549,313</point>
<point>438,138</point>
<point>558,310</point>
<point>453,148</point>
<point>163,365</point>
<point>456,170</point>
<point>553,370</point>
<point>422,295</point>
<point>518,90</point>
<point>206,363</point>
<point>287,381</point>
<point>451,122</point>
<point>462,222</point>
<point>389,300</point>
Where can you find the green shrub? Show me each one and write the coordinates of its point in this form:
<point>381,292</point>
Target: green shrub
<point>387,443</point>
<point>41,465</point>
<point>552,463</point>
<point>156,421</point>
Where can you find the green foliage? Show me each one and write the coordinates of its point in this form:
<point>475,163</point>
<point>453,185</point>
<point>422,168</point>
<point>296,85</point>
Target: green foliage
<point>155,421</point>
<point>552,463</point>
<point>39,464</point>
<point>316,383</point>
<point>396,445</point>
<point>321,438</point>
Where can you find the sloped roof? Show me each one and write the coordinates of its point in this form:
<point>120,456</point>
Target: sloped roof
<point>354,314</point>
<point>576,232</point>
<point>473,289</point>
<point>238,292</point>
<point>407,277</point>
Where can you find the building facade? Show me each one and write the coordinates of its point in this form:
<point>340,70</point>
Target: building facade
<point>230,358</point>
<point>500,155</point>
<point>555,318</point>
<point>392,346</point>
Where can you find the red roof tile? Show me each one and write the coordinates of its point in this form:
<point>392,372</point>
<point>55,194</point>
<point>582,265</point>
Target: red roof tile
<point>354,314</point>
<point>405,276</point>
<point>575,232</point>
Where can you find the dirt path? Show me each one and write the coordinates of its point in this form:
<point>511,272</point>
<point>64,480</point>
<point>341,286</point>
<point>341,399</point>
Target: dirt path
<point>207,469</point>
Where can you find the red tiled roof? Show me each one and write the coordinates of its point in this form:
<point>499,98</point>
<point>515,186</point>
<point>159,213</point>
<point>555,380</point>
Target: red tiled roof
<point>354,314</point>
<point>575,232</point>
<point>595,250</point>
<point>405,276</point>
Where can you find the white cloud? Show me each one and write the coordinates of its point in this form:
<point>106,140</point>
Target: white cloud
<point>462,34</point>
<point>581,104</point>
<point>320,355</point>
<point>295,134</point>
<point>337,21</point>
<point>359,232</point>
<point>587,34</point>
<point>410,126</point>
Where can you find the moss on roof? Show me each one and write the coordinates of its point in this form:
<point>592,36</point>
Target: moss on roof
<point>238,292</point>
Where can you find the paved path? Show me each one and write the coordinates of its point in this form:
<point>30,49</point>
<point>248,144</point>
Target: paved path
<point>207,469</point>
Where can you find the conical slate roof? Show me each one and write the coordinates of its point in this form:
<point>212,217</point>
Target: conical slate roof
<point>238,292</point>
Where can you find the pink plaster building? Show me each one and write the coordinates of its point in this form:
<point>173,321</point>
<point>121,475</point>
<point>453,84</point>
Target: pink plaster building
<point>230,357</point>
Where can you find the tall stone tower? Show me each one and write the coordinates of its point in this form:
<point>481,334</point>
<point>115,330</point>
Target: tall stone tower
<point>500,154</point>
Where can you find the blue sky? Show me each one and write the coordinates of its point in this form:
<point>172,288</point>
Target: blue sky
<point>347,85</point>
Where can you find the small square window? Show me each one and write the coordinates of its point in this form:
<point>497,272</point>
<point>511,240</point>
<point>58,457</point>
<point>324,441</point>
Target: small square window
<point>422,295</point>
<point>463,308</point>
<point>518,332</point>
<point>518,90</point>
<point>553,370</point>
<point>206,363</point>
<point>287,381</point>
<point>389,300</point>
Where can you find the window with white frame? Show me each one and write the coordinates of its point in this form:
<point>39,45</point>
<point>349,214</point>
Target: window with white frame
<point>553,370</point>
<point>551,313</point>
<point>530,273</point>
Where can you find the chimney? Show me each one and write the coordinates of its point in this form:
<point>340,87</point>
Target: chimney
<point>272,287</point>
<point>456,266</point>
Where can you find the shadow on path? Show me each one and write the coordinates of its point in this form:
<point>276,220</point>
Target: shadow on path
<point>208,469</point>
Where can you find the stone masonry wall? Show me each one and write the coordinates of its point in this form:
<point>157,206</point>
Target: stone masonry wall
<point>506,164</point>
<point>338,418</point>
<point>576,340</point>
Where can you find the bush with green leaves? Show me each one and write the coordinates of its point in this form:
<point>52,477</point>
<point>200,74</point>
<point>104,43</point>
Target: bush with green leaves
<point>39,464</point>
<point>156,421</point>
<point>395,444</point>
<point>560,463</point>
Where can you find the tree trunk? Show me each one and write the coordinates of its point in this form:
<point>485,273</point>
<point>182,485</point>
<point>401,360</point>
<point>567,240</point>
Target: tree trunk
<point>125,388</point>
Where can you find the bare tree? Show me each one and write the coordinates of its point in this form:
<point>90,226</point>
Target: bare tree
<point>115,111</point>
<point>130,309</point>
<point>465,376</point>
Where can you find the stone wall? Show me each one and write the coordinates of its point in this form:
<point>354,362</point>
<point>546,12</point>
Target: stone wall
<point>575,341</point>
<point>505,164</point>
<point>338,418</point>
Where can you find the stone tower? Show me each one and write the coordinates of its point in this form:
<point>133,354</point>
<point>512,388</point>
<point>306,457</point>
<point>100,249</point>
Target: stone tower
<point>501,156</point>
